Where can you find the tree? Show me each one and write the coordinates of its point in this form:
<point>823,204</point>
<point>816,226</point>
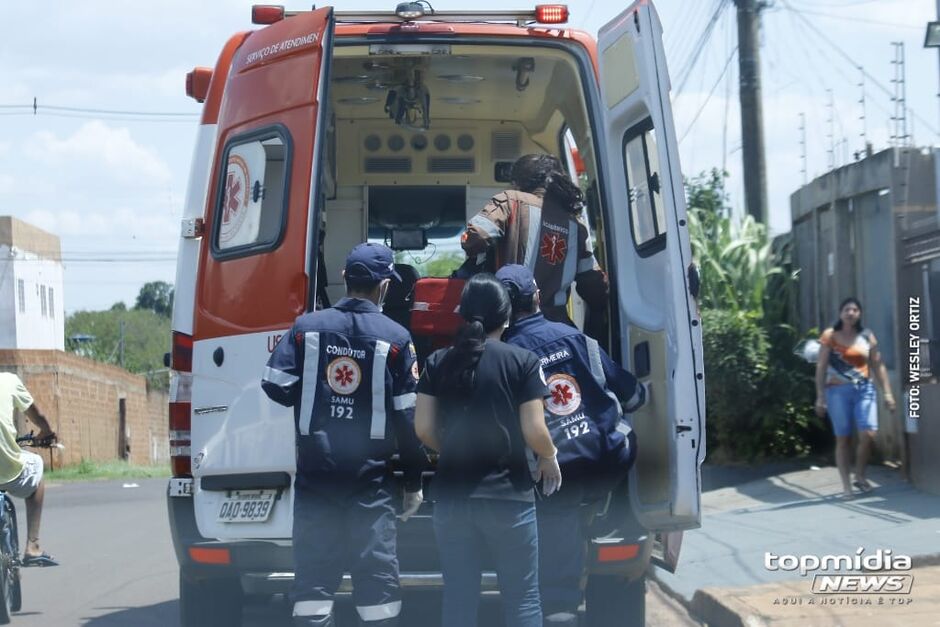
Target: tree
<point>146,339</point>
<point>156,296</point>
<point>758,393</point>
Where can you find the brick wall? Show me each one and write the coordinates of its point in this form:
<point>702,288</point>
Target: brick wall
<point>81,398</point>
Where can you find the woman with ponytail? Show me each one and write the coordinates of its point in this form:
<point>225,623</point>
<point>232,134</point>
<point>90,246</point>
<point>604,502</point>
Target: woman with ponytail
<point>480,407</point>
<point>538,224</point>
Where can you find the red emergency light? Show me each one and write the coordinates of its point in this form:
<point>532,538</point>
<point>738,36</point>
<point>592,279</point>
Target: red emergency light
<point>551,13</point>
<point>267,13</point>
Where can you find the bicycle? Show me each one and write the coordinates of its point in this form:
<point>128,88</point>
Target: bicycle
<point>11,597</point>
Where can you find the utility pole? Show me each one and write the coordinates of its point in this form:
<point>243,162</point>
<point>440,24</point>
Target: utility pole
<point>861,101</point>
<point>831,132</point>
<point>900,96</point>
<point>752,122</point>
<point>121,344</point>
<point>803,146</point>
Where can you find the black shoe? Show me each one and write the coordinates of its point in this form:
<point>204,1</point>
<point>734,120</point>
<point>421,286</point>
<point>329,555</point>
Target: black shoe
<point>314,621</point>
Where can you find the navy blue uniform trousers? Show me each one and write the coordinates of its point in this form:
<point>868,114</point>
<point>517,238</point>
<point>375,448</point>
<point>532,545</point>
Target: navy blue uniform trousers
<point>358,535</point>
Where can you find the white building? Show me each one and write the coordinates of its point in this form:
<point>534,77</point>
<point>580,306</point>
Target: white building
<point>32,314</point>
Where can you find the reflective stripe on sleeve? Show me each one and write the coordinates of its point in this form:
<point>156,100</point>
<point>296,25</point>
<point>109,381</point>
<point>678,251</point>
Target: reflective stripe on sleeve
<point>404,401</point>
<point>586,264</point>
<point>369,613</point>
<point>571,264</point>
<point>308,394</point>
<point>638,399</point>
<point>313,608</point>
<point>377,432</point>
<point>489,228</point>
<point>597,369</point>
<point>532,238</point>
<point>279,377</point>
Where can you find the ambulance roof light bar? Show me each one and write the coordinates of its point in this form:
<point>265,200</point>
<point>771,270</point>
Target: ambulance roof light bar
<point>410,11</point>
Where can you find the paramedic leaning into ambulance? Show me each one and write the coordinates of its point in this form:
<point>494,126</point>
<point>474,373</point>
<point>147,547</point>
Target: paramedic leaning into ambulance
<point>537,224</point>
<point>480,407</point>
<point>588,394</point>
<point>350,373</point>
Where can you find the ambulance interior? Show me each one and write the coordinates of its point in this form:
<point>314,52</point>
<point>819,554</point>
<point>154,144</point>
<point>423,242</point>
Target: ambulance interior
<point>418,143</point>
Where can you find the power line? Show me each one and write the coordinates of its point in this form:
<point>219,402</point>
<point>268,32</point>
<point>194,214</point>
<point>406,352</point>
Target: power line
<point>686,71</point>
<point>710,93</point>
<point>852,61</point>
<point>861,20</point>
<point>36,107</point>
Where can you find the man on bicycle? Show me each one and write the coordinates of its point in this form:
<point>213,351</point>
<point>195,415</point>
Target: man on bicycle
<point>21,471</point>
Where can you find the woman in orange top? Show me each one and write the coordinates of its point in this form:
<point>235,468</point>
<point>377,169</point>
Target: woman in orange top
<point>848,354</point>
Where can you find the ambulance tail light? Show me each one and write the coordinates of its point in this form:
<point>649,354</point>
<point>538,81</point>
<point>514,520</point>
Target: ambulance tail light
<point>266,13</point>
<point>181,395</point>
<point>181,357</point>
<point>551,13</point>
<point>618,553</point>
<point>197,83</point>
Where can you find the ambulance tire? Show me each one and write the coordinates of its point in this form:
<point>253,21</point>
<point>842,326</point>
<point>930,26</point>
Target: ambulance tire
<point>210,602</point>
<point>613,601</point>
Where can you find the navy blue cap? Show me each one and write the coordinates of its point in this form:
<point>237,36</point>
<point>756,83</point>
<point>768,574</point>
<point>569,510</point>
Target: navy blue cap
<point>370,262</point>
<point>520,276</point>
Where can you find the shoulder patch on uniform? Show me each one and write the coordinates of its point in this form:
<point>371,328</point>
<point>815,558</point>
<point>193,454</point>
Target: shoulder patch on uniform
<point>565,395</point>
<point>298,338</point>
<point>344,375</point>
<point>414,370</point>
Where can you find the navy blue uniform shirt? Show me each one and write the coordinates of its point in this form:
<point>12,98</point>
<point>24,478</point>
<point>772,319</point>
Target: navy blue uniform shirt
<point>350,374</point>
<point>588,393</point>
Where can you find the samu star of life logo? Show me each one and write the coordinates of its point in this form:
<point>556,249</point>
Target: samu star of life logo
<point>235,202</point>
<point>553,248</point>
<point>343,375</point>
<point>564,395</point>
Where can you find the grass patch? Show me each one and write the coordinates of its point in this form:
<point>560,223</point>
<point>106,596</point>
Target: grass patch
<point>87,470</point>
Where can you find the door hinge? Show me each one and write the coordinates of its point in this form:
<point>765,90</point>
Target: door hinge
<point>192,228</point>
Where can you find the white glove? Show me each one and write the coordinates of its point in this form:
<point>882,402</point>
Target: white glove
<point>549,473</point>
<point>410,504</point>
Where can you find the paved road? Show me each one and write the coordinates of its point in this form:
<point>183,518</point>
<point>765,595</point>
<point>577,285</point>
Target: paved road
<point>118,567</point>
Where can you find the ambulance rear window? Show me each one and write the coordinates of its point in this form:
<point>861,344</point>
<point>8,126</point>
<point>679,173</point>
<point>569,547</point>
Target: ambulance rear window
<point>252,199</point>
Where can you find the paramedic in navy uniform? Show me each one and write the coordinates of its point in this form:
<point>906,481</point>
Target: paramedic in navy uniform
<point>584,415</point>
<point>350,374</point>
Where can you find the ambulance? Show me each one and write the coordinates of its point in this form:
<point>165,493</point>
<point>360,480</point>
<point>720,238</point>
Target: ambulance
<point>322,129</point>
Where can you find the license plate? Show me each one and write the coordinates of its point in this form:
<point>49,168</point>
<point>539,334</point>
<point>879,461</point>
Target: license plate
<point>247,506</point>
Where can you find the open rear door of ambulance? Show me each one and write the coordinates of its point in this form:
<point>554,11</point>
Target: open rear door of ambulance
<point>658,316</point>
<point>257,273</point>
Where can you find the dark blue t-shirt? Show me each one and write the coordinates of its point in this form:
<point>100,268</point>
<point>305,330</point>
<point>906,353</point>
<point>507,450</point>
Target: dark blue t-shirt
<point>483,452</point>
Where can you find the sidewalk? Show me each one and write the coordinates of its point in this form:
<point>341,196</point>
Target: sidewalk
<point>722,575</point>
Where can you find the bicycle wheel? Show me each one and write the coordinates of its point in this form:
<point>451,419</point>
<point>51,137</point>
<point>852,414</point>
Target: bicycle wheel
<point>16,592</point>
<point>7,559</point>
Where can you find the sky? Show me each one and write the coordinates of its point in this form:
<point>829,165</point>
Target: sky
<point>112,185</point>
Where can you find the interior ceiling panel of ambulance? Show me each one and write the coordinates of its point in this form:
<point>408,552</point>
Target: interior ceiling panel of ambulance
<point>414,90</point>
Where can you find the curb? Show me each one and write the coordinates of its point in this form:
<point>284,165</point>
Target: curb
<point>707,608</point>
<point>651,573</point>
<point>716,608</point>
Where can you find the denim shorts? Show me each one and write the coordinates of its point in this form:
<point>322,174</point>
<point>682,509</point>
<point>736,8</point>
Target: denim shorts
<point>852,406</point>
